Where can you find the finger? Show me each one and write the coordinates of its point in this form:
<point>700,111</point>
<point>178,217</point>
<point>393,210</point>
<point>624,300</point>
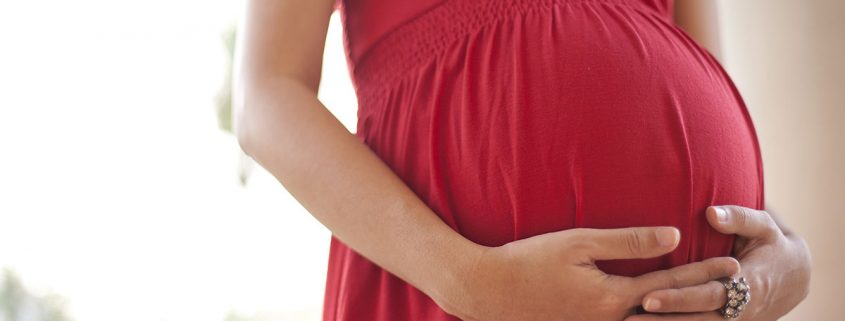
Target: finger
<point>751,223</point>
<point>684,275</point>
<point>627,243</point>
<point>701,316</point>
<point>705,297</point>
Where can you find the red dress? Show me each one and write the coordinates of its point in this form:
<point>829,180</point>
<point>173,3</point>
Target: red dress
<point>513,118</point>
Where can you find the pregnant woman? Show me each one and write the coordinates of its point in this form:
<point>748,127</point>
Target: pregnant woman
<point>520,160</point>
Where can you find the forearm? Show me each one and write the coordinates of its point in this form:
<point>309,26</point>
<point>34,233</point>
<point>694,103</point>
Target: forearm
<point>788,288</point>
<point>345,186</point>
<point>785,289</point>
<point>699,19</point>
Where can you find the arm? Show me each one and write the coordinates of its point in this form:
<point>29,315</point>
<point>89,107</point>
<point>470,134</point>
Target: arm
<point>699,19</point>
<point>281,124</point>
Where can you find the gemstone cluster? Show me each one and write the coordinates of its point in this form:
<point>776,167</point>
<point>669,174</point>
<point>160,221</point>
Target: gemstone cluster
<point>739,294</point>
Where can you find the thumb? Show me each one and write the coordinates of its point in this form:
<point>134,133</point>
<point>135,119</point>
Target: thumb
<point>630,243</point>
<point>743,221</point>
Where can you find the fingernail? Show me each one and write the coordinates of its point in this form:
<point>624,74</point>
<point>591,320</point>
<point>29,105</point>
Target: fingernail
<point>652,304</point>
<point>722,215</point>
<point>666,236</point>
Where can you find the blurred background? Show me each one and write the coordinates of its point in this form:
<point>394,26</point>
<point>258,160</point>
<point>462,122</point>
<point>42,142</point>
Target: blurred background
<point>124,196</point>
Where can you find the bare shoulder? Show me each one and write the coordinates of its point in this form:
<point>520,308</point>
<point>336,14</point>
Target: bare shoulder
<point>284,38</point>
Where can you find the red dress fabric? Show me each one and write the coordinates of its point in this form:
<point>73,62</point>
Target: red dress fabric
<point>515,118</point>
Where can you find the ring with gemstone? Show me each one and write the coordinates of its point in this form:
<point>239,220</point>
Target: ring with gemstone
<point>739,293</point>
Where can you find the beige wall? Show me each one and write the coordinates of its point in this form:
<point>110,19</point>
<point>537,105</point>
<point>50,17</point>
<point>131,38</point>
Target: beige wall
<point>788,59</point>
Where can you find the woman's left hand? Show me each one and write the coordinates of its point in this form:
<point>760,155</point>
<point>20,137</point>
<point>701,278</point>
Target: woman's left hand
<point>775,265</point>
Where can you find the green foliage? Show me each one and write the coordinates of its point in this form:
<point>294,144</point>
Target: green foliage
<point>224,96</point>
<point>18,304</point>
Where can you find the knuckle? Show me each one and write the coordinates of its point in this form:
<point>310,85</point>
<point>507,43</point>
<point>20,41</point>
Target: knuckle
<point>721,267</point>
<point>716,295</point>
<point>633,241</point>
<point>610,301</point>
<point>673,281</point>
<point>743,216</point>
<point>733,265</point>
<point>619,292</point>
<point>671,299</point>
<point>769,223</point>
<point>711,269</point>
<point>674,298</point>
<point>581,248</point>
<point>580,240</point>
<point>696,272</point>
<point>764,218</point>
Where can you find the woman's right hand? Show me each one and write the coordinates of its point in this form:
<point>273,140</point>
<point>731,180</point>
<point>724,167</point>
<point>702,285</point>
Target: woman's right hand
<point>554,277</point>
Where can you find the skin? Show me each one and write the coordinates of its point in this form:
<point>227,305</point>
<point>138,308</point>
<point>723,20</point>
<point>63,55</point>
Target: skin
<point>699,19</point>
<point>775,261</point>
<point>283,126</point>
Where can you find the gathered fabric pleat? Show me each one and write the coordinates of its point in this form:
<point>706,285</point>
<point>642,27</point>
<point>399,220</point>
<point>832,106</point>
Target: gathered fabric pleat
<point>514,118</point>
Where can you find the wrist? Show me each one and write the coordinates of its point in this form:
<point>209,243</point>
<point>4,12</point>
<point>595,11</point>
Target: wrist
<point>451,287</point>
<point>803,269</point>
<point>789,285</point>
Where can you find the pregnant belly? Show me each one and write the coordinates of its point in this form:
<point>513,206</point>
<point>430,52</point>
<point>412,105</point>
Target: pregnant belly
<point>593,116</point>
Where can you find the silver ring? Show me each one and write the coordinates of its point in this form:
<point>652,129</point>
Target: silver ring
<point>739,293</point>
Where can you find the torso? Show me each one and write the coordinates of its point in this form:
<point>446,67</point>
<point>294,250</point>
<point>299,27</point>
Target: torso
<point>516,118</point>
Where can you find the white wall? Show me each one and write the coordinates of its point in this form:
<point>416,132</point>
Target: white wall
<point>786,57</point>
